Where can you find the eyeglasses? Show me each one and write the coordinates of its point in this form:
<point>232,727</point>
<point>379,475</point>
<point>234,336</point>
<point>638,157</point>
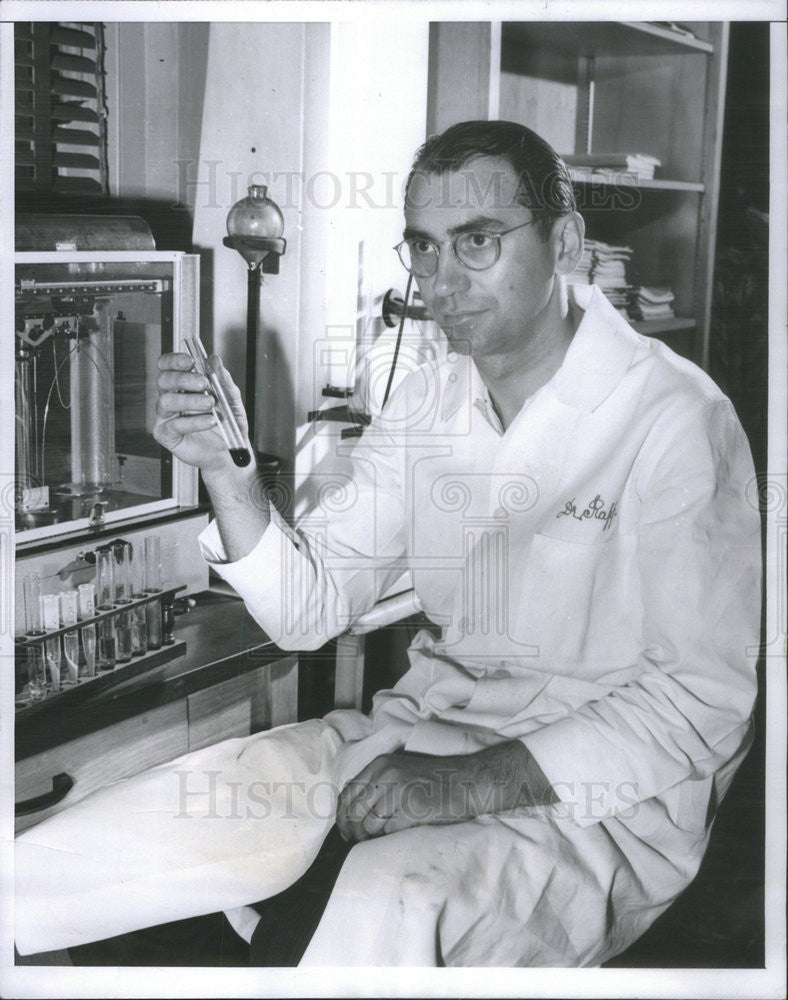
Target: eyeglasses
<point>478,250</point>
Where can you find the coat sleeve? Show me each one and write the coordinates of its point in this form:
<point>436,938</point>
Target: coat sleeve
<point>304,585</point>
<point>687,710</point>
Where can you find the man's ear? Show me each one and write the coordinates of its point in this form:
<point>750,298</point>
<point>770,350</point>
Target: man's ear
<point>568,234</point>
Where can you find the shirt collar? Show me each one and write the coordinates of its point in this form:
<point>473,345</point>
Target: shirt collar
<point>462,384</point>
<point>600,353</point>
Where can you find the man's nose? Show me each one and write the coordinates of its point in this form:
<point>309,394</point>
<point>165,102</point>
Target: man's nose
<point>450,275</point>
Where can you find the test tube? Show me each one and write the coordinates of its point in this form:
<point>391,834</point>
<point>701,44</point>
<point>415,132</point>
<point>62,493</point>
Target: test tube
<point>89,649</point>
<point>68,616</point>
<point>137,570</point>
<point>122,552</point>
<point>105,587</point>
<point>152,564</point>
<point>87,600</point>
<point>105,577</point>
<point>223,411</point>
<point>87,609</point>
<point>32,593</point>
<point>153,621</point>
<point>50,607</point>
<point>168,620</point>
<point>139,632</point>
<point>36,672</point>
<point>123,642</point>
<point>106,644</point>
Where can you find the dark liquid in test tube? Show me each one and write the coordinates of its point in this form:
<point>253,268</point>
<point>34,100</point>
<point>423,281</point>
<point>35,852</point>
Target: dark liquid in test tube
<point>240,456</point>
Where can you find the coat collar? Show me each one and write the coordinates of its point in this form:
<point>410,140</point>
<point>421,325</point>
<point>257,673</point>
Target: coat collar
<point>601,351</point>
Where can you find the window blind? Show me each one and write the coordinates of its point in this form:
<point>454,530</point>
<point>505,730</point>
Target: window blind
<point>61,129</point>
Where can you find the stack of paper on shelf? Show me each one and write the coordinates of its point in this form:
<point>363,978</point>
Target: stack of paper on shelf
<point>604,265</point>
<point>652,303</point>
<point>601,164</point>
<point>608,270</point>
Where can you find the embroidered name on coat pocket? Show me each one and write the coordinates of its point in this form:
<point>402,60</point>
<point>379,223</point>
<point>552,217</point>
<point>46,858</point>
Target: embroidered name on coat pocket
<point>587,520</point>
<point>596,509</point>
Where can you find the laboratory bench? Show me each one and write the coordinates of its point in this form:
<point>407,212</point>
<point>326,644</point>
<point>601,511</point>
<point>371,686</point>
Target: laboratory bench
<point>230,680</point>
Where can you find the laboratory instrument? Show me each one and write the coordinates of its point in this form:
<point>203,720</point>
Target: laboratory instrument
<point>254,227</point>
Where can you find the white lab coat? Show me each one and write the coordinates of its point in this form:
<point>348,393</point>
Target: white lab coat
<point>595,571</point>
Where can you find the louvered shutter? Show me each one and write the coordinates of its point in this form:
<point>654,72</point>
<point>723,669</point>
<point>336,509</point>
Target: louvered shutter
<point>61,134</point>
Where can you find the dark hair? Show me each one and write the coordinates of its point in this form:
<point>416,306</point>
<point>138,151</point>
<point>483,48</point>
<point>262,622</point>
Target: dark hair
<point>545,185</point>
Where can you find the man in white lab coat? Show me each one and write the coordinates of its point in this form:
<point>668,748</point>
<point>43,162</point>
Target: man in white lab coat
<point>569,500</point>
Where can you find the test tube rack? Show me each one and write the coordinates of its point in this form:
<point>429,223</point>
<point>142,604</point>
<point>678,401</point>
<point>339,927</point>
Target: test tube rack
<point>101,679</point>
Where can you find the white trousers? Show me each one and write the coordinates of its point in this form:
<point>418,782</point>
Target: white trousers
<point>240,821</point>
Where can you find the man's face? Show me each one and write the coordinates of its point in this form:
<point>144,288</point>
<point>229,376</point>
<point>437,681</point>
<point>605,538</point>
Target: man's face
<point>491,312</point>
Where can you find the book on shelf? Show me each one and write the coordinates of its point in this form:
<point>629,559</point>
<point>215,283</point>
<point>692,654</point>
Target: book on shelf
<point>652,303</point>
<point>599,164</point>
<point>677,29</point>
<point>605,265</point>
<point>655,295</point>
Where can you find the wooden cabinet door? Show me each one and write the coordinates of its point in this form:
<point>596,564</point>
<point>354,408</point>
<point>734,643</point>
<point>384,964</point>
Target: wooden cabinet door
<point>100,758</point>
<point>255,700</point>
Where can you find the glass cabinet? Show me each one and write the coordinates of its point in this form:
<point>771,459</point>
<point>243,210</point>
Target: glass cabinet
<point>90,327</point>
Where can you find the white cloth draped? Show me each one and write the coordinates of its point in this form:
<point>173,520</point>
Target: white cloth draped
<point>214,829</point>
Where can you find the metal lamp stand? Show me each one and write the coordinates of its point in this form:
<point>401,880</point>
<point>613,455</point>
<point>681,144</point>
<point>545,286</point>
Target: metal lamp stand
<point>262,257</point>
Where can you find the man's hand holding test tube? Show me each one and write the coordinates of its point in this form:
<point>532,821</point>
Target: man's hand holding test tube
<point>200,418</point>
<point>226,420</point>
<point>200,414</point>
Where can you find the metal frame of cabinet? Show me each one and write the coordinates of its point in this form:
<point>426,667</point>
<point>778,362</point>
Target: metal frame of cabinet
<point>184,296</point>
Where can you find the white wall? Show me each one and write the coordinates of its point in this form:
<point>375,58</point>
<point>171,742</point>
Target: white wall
<point>336,114</point>
<point>259,88</point>
<point>155,82</point>
<point>329,116</point>
<point>377,119</point>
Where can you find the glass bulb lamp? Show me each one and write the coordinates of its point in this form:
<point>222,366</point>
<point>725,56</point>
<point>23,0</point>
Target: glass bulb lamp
<point>254,228</point>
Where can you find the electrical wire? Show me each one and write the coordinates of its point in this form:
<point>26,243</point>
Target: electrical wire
<point>399,339</point>
<point>64,405</point>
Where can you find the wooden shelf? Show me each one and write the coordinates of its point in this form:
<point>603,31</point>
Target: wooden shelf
<point>613,179</point>
<point>655,327</point>
<point>609,38</point>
